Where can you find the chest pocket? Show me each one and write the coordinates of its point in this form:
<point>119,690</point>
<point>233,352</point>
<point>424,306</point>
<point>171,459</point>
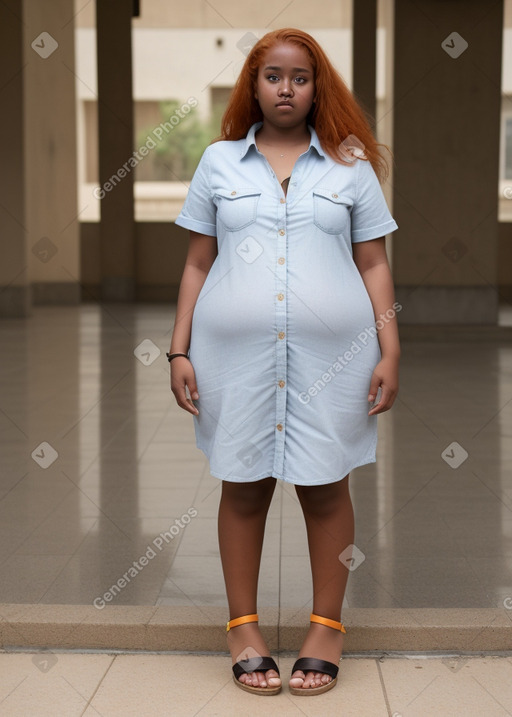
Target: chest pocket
<point>331,211</point>
<point>236,208</point>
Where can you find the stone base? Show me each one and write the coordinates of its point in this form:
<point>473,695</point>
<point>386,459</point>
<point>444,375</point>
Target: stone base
<point>63,293</point>
<point>15,302</point>
<point>447,305</point>
<point>202,628</point>
<point>118,288</point>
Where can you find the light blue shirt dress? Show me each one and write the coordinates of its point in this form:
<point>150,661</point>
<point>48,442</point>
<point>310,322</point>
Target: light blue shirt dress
<point>283,339</point>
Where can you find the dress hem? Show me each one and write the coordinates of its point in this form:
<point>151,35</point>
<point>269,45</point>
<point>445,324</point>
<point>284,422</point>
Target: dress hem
<point>252,479</point>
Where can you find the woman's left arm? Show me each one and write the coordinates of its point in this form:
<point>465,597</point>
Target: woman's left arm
<point>371,260</point>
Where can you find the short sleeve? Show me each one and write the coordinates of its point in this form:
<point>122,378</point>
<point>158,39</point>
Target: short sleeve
<point>199,211</point>
<point>371,217</point>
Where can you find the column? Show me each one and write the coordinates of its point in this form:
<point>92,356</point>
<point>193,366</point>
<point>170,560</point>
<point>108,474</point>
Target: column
<point>53,226</point>
<point>14,288</point>
<point>447,97</point>
<point>364,54</point>
<point>116,145</point>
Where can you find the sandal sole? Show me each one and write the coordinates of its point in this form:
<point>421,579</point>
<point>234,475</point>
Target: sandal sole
<point>309,691</point>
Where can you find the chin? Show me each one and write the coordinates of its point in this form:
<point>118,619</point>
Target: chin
<point>288,119</point>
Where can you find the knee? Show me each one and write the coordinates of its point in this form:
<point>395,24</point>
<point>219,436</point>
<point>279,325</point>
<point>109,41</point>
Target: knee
<point>248,499</point>
<point>322,500</point>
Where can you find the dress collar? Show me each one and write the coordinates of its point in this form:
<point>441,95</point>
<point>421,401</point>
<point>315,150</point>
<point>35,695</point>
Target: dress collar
<point>250,140</point>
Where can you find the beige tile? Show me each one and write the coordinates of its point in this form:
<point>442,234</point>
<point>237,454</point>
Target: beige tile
<point>48,683</point>
<point>170,683</point>
<point>449,686</point>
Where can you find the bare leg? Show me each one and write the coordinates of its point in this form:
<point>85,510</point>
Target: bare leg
<point>329,517</point>
<point>243,511</point>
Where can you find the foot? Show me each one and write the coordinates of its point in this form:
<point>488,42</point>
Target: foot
<point>245,641</point>
<point>325,644</point>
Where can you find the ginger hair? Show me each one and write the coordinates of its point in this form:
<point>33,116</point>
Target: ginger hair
<point>335,114</point>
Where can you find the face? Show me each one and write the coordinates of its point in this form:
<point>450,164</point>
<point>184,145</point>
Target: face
<point>285,86</point>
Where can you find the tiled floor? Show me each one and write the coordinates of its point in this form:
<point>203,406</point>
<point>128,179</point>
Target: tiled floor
<point>103,685</point>
<point>97,461</point>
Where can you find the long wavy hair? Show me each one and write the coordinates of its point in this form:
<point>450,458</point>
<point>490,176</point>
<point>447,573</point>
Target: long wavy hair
<point>336,115</point>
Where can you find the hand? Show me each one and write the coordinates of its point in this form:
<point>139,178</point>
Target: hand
<point>385,376</point>
<point>183,375</point>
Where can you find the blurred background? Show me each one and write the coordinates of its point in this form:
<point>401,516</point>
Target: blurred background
<point>106,110</point>
<point>106,82</point>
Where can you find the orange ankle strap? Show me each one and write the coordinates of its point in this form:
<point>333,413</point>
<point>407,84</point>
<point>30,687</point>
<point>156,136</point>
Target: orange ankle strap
<point>328,622</point>
<point>241,620</point>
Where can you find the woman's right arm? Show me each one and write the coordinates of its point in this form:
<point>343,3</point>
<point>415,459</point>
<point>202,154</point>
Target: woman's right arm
<point>202,251</point>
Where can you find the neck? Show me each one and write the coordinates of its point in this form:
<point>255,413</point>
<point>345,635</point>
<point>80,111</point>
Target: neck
<point>283,136</point>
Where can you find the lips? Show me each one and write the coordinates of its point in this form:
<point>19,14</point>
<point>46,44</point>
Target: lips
<point>284,104</point>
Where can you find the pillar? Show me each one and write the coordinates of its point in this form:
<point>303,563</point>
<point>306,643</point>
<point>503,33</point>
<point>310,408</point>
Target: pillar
<point>53,215</point>
<point>14,286</point>
<point>116,146</point>
<point>447,97</point>
<point>364,54</point>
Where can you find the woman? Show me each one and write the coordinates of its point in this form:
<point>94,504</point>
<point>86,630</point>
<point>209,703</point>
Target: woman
<point>275,334</point>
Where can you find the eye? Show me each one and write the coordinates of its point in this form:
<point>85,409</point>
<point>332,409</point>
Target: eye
<point>272,77</point>
<point>300,80</point>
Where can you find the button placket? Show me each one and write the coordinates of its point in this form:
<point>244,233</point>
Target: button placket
<point>280,306</point>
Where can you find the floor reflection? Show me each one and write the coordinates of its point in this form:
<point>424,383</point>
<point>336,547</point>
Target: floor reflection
<point>104,495</point>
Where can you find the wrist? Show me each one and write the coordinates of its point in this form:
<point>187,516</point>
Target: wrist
<point>177,354</point>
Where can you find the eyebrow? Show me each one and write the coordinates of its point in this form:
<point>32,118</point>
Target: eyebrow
<point>294,69</point>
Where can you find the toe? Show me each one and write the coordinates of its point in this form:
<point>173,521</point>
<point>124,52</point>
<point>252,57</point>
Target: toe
<point>261,679</point>
<point>297,679</point>
<point>314,679</point>
<point>273,679</point>
<point>309,680</point>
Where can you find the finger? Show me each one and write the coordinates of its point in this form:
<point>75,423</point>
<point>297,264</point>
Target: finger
<point>385,402</point>
<point>183,401</point>
<point>193,409</point>
<point>191,393</point>
<point>374,387</point>
<point>192,387</point>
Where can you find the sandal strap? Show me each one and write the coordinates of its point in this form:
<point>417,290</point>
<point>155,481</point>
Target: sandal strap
<point>313,664</point>
<point>241,620</point>
<point>328,622</point>
<point>254,664</point>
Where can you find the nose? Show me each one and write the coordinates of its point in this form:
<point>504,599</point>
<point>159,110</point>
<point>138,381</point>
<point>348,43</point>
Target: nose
<point>286,89</point>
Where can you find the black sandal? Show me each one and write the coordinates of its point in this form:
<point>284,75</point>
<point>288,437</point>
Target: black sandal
<point>252,664</point>
<point>314,664</point>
